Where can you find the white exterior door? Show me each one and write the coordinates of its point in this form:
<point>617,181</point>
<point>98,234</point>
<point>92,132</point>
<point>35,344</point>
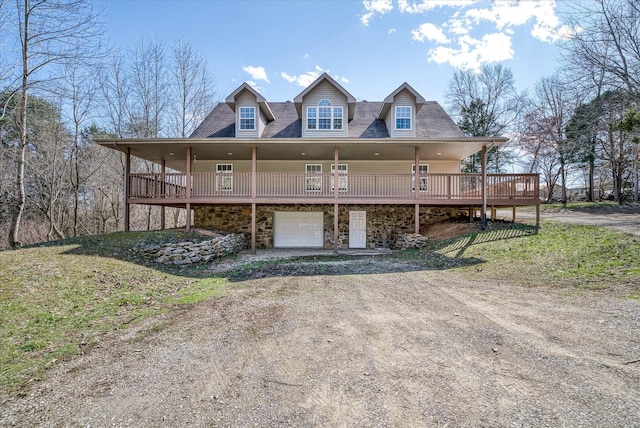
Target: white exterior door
<point>298,229</point>
<point>357,229</point>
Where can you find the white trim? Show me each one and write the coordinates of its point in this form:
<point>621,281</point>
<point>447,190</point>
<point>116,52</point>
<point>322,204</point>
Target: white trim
<point>424,180</point>
<point>357,235</point>
<point>410,118</point>
<point>298,229</point>
<point>313,180</point>
<point>223,183</point>
<point>240,118</point>
<point>332,110</point>
<point>343,170</point>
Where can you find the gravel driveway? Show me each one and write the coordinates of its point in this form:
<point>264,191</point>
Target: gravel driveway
<point>625,218</point>
<point>364,342</point>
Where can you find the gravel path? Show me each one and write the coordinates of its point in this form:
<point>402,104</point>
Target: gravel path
<point>367,343</point>
<point>625,218</point>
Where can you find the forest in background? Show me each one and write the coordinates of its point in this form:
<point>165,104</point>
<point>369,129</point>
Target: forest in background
<point>63,86</point>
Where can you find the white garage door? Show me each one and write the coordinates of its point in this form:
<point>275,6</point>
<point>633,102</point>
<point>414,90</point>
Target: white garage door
<point>298,229</point>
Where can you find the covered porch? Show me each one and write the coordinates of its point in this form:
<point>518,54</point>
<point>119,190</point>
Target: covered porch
<point>177,184</point>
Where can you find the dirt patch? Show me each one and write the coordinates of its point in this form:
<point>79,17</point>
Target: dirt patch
<point>401,345</point>
<point>446,230</point>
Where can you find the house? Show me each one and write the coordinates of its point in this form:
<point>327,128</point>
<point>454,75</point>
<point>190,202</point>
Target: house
<point>323,170</point>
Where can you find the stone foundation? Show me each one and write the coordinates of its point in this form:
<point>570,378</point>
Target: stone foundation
<point>384,222</point>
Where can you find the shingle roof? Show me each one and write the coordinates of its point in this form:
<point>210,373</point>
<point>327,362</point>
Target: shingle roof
<point>365,123</point>
<point>287,123</point>
<point>220,123</point>
<point>432,122</point>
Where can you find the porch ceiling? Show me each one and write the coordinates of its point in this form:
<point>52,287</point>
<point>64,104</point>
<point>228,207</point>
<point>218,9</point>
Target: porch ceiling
<point>175,151</point>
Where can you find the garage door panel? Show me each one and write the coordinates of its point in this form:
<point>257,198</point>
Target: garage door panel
<point>298,229</point>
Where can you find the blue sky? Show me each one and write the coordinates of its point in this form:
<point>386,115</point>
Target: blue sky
<point>371,47</point>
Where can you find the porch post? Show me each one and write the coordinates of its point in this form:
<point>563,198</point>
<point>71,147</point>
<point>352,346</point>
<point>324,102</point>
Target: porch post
<point>254,192</point>
<point>127,189</point>
<point>163,168</point>
<point>336,210</point>
<point>484,187</point>
<point>188,191</point>
<point>253,228</point>
<point>416,191</point>
<point>254,171</point>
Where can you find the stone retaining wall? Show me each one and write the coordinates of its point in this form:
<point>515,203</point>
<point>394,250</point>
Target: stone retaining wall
<point>384,222</point>
<point>189,252</point>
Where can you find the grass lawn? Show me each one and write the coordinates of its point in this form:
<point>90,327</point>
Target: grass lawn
<point>58,299</point>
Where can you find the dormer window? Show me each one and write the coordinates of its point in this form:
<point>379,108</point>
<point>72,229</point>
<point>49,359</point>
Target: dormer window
<point>247,118</point>
<point>403,117</point>
<point>324,116</point>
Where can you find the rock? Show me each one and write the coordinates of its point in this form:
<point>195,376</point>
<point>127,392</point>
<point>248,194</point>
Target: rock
<point>410,240</point>
<point>188,252</point>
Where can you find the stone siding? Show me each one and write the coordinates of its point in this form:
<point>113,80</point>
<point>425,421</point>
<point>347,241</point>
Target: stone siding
<point>384,222</point>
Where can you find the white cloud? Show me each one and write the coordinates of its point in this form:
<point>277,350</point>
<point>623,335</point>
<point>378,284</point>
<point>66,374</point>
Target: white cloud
<point>475,32</point>
<point>255,86</point>
<point>256,73</point>
<point>473,53</point>
<point>307,56</point>
<point>430,32</point>
<point>391,31</point>
<point>303,80</point>
<point>546,28</point>
<point>309,77</point>
<point>427,5</point>
<point>375,7</point>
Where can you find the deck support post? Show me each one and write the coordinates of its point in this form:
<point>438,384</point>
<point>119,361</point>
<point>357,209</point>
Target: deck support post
<point>513,214</point>
<point>336,233</point>
<point>253,228</point>
<point>472,213</point>
<point>163,171</point>
<point>188,191</point>
<point>416,189</point>
<point>127,190</point>
<point>336,185</point>
<point>484,187</point>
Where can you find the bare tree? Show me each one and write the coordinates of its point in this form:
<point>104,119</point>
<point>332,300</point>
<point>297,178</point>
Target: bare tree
<point>550,111</point>
<point>485,104</point>
<point>78,90</point>
<point>608,43</point>
<point>50,33</point>
<point>192,90</point>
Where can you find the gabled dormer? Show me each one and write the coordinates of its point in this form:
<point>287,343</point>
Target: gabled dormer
<point>325,109</point>
<point>399,111</point>
<point>252,111</point>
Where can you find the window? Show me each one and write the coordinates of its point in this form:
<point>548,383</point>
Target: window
<point>324,116</point>
<point>342,177</point>
<point>312,116</point>
<point>224,177</point>
<point>423,170</point>
<point>247,118</point>
<point>403,117</point>
<point>313,179</point>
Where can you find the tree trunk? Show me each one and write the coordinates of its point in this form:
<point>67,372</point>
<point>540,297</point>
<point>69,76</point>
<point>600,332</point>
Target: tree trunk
<point>22,144</point>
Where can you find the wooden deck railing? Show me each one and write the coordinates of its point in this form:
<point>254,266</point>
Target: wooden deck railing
<point>287,185</point>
